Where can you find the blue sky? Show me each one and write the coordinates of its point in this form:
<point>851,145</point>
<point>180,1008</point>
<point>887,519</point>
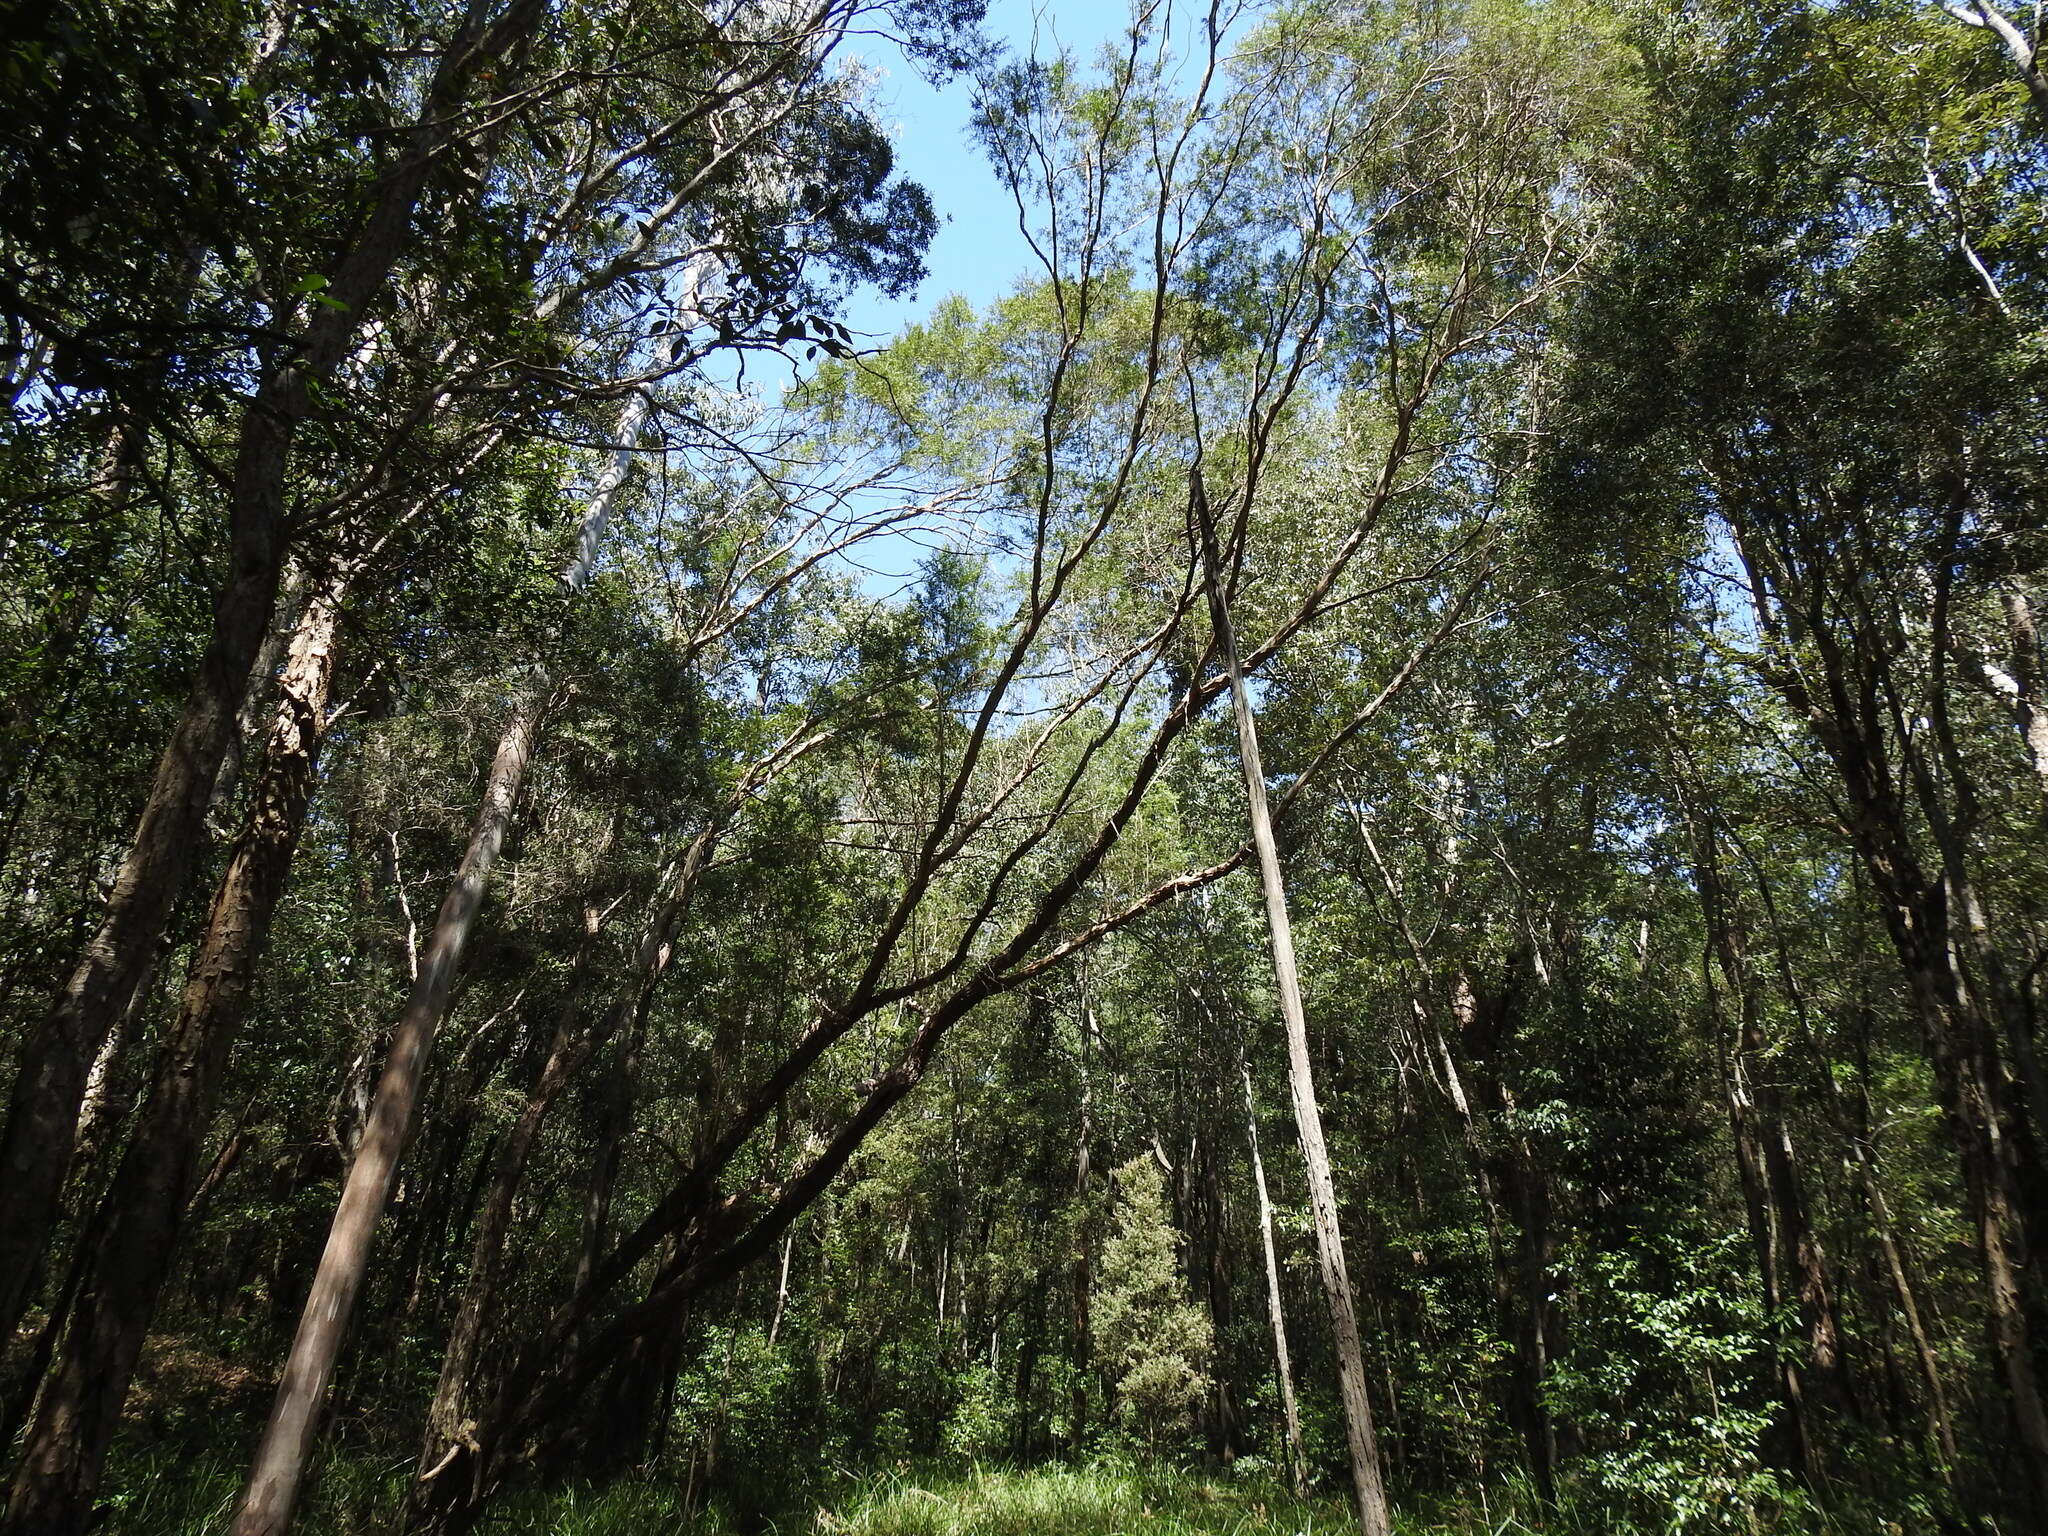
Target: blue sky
<point>978,252</point>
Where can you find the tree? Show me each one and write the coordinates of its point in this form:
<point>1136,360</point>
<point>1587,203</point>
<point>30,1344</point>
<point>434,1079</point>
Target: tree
<point>1154,1341</point>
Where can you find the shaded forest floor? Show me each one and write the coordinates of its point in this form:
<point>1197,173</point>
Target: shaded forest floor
<point>172,1497</point>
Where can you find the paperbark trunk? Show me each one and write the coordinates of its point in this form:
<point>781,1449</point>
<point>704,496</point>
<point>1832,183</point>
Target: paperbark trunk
<point>1361,1438</point>
<point>1297,1468</point>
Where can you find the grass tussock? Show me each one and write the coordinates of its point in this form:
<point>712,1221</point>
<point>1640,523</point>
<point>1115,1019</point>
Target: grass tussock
<point>1091,1501</point>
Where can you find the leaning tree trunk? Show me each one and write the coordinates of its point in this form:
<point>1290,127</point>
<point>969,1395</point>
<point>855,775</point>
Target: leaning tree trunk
<point>35,1147</point>
<point>1373,1516</point>
<point>280,1461</point>
<point>138,1222</point>
<point>568,1053</point>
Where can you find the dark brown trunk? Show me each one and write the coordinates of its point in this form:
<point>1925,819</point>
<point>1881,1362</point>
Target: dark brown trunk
<point>568,1049</point>
<point>56,1059</point>
<point>35,1146</point>
<point>279,1465</point>
<point>1514,1193</point>
<point>1846,692</point>
<point>1773,1190</point>
<point>139,1220</point>
<point>1861,1156</point>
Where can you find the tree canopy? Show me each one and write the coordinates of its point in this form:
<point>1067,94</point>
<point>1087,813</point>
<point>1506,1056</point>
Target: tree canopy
<point>1371,854</point>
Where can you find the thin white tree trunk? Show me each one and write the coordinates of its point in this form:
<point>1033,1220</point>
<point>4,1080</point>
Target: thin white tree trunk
<point>1297,1471</point>
<point>2018,46</point>
<point>781,1289</point>
<point>1373,1517</point>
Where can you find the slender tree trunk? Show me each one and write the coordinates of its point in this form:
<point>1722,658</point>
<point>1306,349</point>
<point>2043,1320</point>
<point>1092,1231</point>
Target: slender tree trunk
<point>1970,1104</point>
<point>104,1104</point>
<point>108,1098</point>
<point>1297,1465</point>
<point>781,1290</point>
<point>1865,1163</point>
<point>1373,1515</point>
<point>280,1461</point>
<point>1084,1255</point>
<point>1521,1271</point>
<point>1845,705</point>
<point>287,1443</point>
<point>1771,1185</point>
<point>1793,1440</point>
<point>604,1165</point>
<point>566,1052</point>
<point>36,1146</point>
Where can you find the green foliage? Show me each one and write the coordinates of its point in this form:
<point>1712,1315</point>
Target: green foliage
<point>1154,1342</point>
<point>1626,425</point>
<point>1096,1501</point>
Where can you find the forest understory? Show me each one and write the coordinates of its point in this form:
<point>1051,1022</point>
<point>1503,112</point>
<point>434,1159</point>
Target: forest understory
<point>1373,855</point>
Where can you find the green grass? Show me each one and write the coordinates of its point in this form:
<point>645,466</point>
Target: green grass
<point>164,1495</point>
<point>176,1496</point>
<point>1092,1501</point>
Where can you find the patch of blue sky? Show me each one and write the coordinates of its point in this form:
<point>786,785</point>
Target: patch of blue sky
<point>980,252</point>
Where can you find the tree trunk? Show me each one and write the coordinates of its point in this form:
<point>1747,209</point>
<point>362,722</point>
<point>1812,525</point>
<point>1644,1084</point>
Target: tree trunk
<point>280,1461</point>
<point>1865,1163</point>
<point>288,1438</point>
<point>1373,1516</point>
<point>1084,1256</point>
<point>139,1220</point>
<point>568,1053</point>
<point>35,1147</point>
<point>2018,48</point>
<point>1297,1466</point>
<point>1772,1188</point>
<point>1521,1270</point>
<point>1845,704</point>
<point>2030,711</point>
<point>56,1058</point>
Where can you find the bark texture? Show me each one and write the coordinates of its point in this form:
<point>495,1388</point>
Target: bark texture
<point>1361,1438</point>
<point>140,1218</point>
<point>279,1465</point>
<point>35,1146</point>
